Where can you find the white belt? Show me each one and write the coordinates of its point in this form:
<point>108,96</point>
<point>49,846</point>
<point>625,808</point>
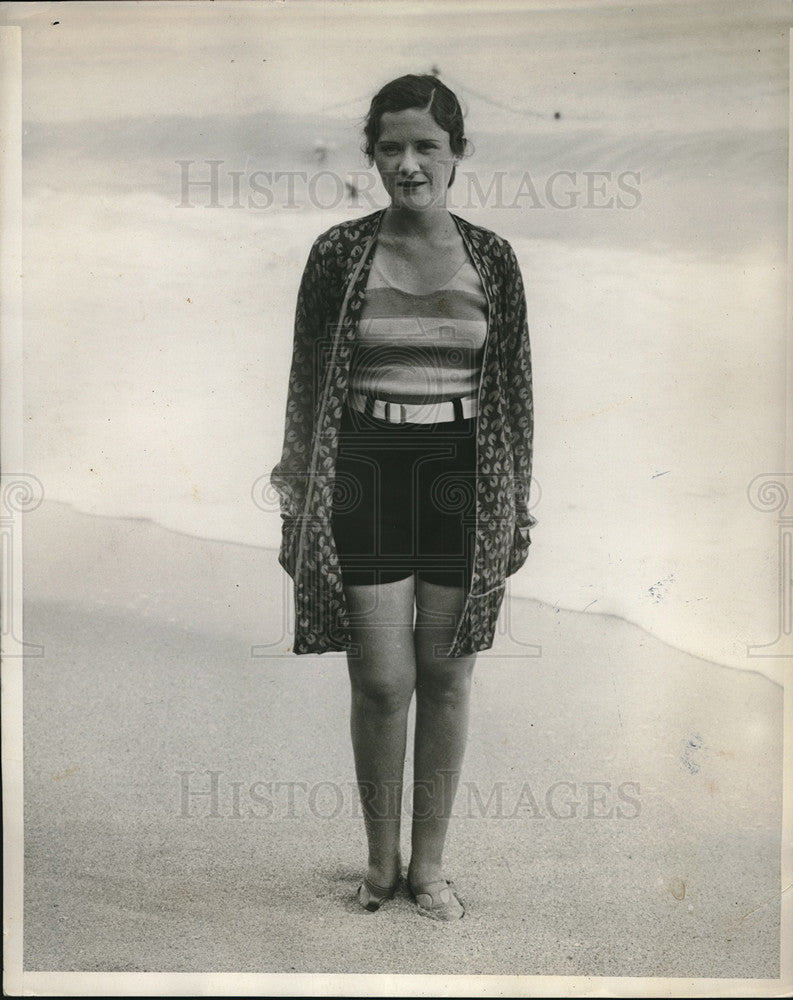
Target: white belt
<point>414,413</point>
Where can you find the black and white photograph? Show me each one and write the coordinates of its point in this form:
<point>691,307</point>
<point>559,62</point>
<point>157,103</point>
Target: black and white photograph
<point>397,497</point>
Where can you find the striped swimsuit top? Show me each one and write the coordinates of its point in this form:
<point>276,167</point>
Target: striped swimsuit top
<point>420,348</point>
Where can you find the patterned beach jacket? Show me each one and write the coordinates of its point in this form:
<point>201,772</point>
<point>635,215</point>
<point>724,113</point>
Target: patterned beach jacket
<point>329,305</point>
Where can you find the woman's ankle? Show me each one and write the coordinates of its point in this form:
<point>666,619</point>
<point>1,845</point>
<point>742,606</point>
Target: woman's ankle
<point>424,873</point>
<point>384,872</point>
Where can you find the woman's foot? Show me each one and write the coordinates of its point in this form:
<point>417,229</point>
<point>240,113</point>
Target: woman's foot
<point>437,900</point>
<point>372,896</point>
<point>379,885</point>
<point>435,896</point>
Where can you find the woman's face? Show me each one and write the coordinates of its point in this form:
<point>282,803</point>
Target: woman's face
<point>414,159</point>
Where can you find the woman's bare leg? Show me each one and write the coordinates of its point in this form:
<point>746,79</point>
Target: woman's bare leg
<point>443,686</point>
<point>382,676</point>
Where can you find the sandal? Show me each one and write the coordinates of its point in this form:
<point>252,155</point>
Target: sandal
<point>438,901</point>
<point>372,896</point>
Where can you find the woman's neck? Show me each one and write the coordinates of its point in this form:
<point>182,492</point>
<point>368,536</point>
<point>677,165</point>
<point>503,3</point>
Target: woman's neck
<point>432,224</point>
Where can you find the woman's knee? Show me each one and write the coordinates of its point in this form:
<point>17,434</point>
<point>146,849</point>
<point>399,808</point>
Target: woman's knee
<point>384,692</point>
<point>446,682</point>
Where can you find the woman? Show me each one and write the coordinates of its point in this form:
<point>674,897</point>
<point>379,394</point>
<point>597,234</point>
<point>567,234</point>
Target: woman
<point>405,472</point>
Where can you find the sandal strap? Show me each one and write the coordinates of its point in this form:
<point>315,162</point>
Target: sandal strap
<point>438,899</point>
<point>439,893</point>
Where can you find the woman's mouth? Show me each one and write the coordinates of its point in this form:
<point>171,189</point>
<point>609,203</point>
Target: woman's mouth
<point>411,185</point>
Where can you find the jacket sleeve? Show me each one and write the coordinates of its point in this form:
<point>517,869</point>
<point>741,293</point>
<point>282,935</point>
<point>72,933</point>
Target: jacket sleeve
<point>289,476</point>
<point>520,407</point>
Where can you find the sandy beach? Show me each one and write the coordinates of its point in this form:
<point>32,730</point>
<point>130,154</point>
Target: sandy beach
<point>189,806</point>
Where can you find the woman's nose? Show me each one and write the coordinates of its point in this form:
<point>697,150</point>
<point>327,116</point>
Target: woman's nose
<point>408,163</point>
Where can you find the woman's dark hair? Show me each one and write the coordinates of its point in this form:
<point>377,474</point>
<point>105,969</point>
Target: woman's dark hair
<point>414,91</point>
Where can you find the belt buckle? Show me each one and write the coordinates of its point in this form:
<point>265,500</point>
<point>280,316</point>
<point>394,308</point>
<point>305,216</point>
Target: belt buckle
<point>402,413</point>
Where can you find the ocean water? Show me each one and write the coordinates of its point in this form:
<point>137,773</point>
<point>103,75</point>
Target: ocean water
<point>649,219</point>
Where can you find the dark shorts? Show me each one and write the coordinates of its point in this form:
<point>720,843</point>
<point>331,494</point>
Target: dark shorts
<point>404,500</point>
